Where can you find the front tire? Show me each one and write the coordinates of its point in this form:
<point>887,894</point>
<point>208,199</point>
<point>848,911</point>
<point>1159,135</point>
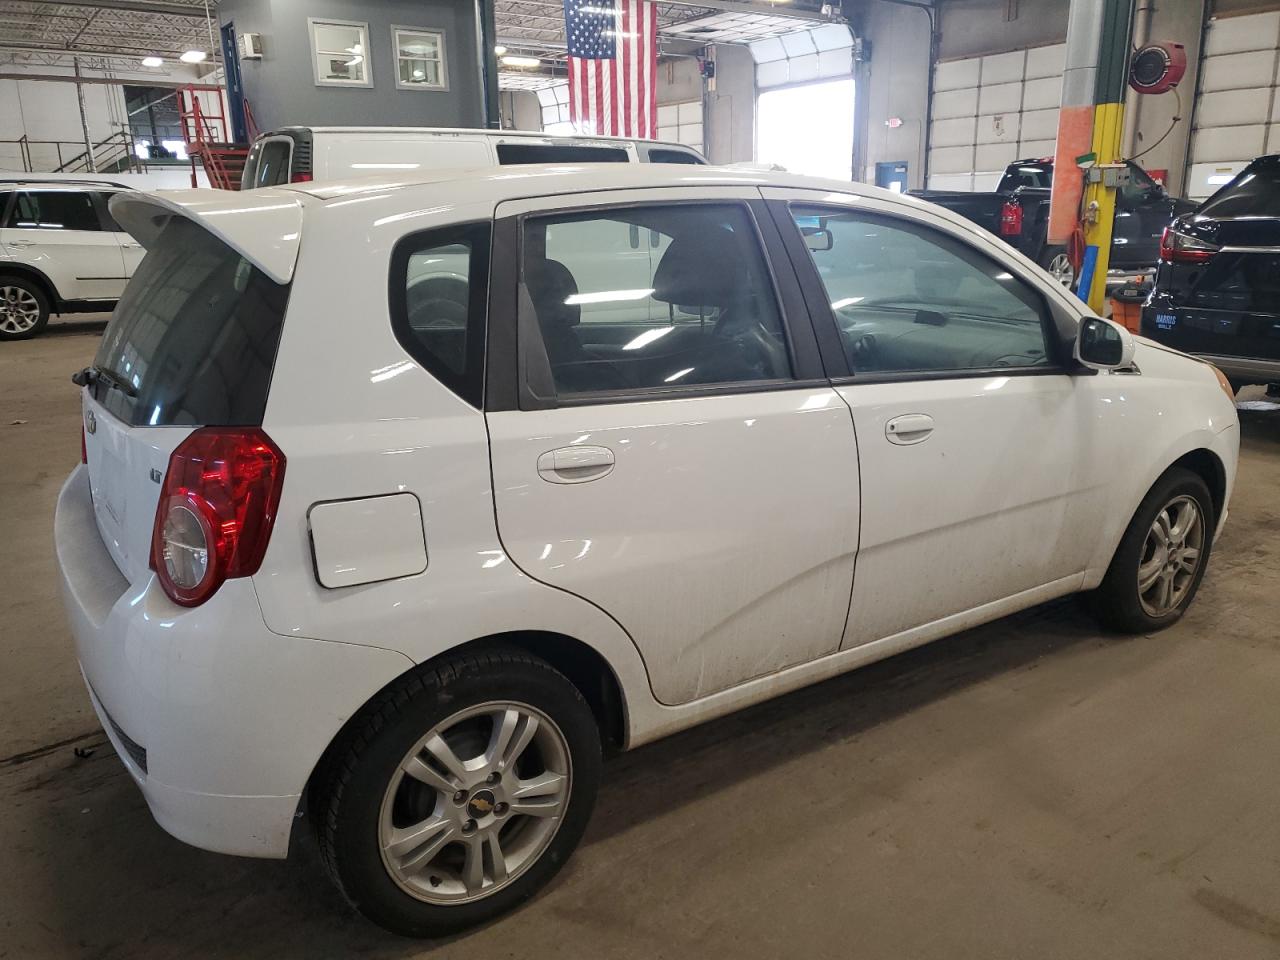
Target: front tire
<point>24,308</point>
<point>459,793</point>
<point>1161,560</point>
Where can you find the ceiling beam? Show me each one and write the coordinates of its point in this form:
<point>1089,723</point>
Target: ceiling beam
<point>108,81</point>
<point>140,6</point>
<point>120,53</point>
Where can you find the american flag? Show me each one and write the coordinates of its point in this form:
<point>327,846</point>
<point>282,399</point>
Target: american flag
<point>613,66</point>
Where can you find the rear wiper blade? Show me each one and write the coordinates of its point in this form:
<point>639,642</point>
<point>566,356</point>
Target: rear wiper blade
<point>89,375</point>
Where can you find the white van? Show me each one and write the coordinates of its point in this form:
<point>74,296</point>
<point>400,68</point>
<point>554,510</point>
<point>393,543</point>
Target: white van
<point>301,154</point>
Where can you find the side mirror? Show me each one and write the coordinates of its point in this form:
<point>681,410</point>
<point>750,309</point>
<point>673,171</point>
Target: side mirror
<point>1103,345</point>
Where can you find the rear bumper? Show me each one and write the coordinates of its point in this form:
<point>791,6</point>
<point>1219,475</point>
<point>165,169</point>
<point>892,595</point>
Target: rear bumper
<point>218,720</point>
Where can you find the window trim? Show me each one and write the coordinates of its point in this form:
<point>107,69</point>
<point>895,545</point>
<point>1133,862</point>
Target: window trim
<point>828,331</point>
<point>363,26</point>
<point>469,386</point>
<point>439,34</point>
<point>508,387</point>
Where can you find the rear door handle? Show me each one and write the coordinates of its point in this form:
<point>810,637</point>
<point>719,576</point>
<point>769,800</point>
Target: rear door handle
<point>575,464</point>
<point>21,243</point>
<point>909,428</point>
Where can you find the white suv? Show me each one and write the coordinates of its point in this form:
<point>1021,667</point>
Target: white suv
<point>60,252</point>
<point>407,498</point>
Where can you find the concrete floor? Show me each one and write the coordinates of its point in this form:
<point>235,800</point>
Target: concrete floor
<point>1030,789</point>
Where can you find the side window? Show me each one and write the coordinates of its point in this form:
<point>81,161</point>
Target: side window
<point>439,283</point>
<point>907,298</point>
<point>660,155</point>
<point>55,210</point>
<point>559,153</point>
<point>104,213</point>
<point>651,298</point>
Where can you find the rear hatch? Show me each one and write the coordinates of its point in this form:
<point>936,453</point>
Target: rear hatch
<point>1218,283</point>
<point>192,343</point>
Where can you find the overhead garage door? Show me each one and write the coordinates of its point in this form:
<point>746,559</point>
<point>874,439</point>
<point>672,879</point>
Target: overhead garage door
<point>989,111</point>
<point>1237,115</point>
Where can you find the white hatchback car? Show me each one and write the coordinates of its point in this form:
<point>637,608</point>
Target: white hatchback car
<point>407,497</point>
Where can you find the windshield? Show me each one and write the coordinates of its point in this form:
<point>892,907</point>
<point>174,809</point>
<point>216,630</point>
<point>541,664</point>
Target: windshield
<point>194,337</point>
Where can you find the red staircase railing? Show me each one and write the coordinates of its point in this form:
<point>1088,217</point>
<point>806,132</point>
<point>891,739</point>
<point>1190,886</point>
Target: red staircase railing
<point>208,137</point>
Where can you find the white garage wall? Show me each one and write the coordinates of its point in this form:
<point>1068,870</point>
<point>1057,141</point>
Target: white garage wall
<point>1237,115</point>
<point>989,111</point>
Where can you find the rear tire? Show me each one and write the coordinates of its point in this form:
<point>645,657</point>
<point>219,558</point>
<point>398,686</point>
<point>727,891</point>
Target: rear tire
<point>427,848</point>
<point>24,308</point>
<point>1162,556</point>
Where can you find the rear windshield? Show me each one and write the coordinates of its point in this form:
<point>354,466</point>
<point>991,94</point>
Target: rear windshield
<point>559,153</point>
<point>194,337</point>
<point>1255,192</point>
<point>268,164</point>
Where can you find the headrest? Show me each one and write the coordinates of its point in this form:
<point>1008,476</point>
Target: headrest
<point>550,284</point>
<point>700,268</point>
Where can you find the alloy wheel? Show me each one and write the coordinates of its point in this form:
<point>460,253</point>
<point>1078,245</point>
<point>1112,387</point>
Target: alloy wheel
<point>475,803</point>
<point>1171,556</point>
<point>1061,269</point>
<point>19,310</point>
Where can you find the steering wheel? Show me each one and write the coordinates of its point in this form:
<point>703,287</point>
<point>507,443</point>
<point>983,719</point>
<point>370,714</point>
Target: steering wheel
<point>439,301</point>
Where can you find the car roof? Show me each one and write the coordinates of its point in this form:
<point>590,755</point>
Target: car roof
<point>265,225</point>
<point>24,184</point>
<point>484,132</point>
<point>517,181</point>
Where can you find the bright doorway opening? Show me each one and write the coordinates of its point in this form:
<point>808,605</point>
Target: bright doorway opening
<point>808,128</point>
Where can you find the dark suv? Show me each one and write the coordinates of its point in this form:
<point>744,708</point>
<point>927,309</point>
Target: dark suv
<point>1217,288</point>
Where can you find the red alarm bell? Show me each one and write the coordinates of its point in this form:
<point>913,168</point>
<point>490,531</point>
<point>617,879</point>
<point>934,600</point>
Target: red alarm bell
<point>1157,67</point>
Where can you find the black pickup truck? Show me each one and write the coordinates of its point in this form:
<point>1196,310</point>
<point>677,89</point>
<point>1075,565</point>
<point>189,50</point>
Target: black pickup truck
<point>1018,213</point>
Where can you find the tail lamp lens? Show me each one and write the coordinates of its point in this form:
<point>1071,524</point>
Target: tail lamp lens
<point>84,445</point>
<point>300,178</point>
<point>216,510</point>
<point>1177,247</point>
<point>1011,219</point>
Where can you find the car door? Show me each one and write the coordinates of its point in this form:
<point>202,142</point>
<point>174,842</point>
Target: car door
<point>1143,210</point>
<point>60,233</point>
<point>131,251</point>
<point>698,482</point>
<point>981,458</point>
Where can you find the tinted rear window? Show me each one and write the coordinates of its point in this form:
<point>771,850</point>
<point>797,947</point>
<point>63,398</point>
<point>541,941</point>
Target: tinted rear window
<point>194,337</point>
<point>1254,192</point>
<point>559,153</point>
<point>272,167</point>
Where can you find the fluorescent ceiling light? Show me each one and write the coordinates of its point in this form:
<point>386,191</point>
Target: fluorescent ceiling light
<point>846,302</point>
<point>152,62</point>
<point>606,296</point>
<point>193,56</point>
<point>521,61</point>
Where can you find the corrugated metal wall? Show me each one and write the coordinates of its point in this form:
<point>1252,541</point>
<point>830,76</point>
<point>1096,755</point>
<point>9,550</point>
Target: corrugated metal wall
<point>1237,115</point>
<point>989,111</point>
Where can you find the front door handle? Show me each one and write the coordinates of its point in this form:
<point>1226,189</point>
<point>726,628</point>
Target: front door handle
<point>575,464</point>
<point>909,428</point>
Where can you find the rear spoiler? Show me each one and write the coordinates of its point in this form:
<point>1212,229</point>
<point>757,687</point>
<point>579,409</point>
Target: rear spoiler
<point>263,226</point>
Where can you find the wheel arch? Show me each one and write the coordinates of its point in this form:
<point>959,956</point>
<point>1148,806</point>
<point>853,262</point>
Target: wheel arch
<point>583,665</point>
<point>10,268</point>
<point>1209,467</point>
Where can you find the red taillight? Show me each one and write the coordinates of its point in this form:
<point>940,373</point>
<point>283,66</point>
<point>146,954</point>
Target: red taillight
<point>300,178</point>
<point>1011,219</point>
<point>216,510</point>
<point>1177,247</point>
<point>84,445</point>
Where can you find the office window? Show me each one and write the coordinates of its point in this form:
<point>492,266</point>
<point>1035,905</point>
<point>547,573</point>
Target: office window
<point>340,53</point>
<point>420,63</point>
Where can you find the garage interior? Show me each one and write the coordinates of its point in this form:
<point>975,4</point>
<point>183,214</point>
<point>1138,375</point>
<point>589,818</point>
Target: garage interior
<point>1031,788</point>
